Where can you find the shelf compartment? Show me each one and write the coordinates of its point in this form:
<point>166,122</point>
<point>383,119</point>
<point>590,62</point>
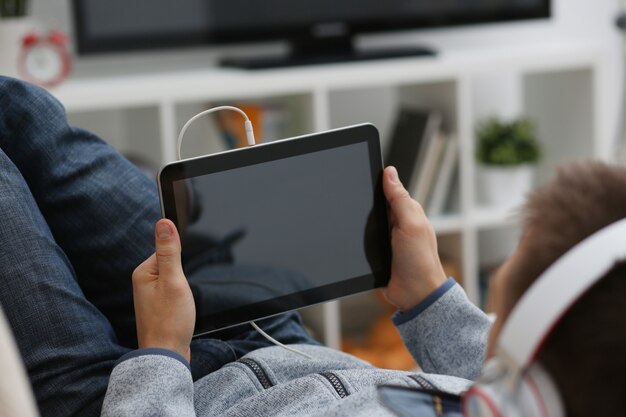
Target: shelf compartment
<point>494,247</point>
<point>204,137</point>
<point>561,105</point>
<point>132,131</point>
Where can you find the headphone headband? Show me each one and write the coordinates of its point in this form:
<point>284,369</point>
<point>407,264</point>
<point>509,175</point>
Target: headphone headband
<point>556,290</point>
<point>513,384</point>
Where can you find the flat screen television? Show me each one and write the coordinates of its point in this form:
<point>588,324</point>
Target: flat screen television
<point>315,28</point>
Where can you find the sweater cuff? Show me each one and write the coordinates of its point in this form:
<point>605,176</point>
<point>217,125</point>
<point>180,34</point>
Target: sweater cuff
<point>153,351</point>
<point>400,318</point>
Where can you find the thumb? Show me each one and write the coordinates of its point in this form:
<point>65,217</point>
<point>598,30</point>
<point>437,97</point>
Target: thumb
<point>167,248</point>
<point>399,199</point>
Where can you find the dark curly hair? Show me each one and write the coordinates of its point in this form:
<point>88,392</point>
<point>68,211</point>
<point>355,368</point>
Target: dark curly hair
<point>586,353</point>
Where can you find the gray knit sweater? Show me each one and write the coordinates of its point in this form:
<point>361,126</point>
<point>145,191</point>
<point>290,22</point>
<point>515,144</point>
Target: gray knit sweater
<point>446,334</point>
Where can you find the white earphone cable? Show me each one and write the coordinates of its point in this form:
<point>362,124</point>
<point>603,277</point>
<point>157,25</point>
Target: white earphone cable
<point>247,123</point>
<point>277,343</point>
<point>251,142</point>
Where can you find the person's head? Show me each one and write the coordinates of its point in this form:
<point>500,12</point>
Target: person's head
<point>584,354</point>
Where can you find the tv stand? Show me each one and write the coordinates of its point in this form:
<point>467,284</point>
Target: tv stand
<point>326,51</point>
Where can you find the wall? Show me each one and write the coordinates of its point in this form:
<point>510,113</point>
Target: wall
<point>573,19</point>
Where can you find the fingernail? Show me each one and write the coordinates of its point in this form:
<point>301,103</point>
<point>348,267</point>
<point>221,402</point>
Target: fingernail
<point>163,230</point>
<point>393,174</point>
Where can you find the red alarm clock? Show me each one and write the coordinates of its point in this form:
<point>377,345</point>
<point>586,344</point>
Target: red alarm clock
<point>45,60</point>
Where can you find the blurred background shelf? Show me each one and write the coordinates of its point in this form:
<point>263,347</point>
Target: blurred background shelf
<point>491,217</point>
<point>562,86</point>
<point>450,223</point>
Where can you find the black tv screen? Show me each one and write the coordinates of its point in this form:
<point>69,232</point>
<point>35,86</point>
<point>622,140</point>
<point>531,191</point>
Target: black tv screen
<point>118,25</point>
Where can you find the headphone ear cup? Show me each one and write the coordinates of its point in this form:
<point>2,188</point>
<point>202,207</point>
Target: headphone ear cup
<point>482,400</point>
<point>487,397</point>
<point>534,395</point>
<point>539,395</point>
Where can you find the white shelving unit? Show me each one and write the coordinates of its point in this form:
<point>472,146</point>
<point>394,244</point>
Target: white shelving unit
<point>561,87</point>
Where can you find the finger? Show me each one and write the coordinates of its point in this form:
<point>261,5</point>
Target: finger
<point>167,249</point>
<point>400,201</point>
<point>147,267</point>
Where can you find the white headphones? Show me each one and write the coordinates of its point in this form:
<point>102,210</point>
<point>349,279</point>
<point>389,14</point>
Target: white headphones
<point>513,384</point>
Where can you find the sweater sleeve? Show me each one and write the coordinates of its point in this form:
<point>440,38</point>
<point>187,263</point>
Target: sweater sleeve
<point>149,382</point>
<point>446,333</point>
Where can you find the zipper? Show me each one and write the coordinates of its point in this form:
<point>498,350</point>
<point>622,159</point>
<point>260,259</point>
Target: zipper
<point>423,382</point>
<point>336,383</point>
<point>258,372</point>
<point>438,404</point>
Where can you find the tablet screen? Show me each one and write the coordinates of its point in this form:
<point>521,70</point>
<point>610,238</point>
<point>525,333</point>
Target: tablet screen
<point>269,236</point>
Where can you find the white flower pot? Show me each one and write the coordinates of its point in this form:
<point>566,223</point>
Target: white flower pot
<point>12,31</point>
<point>505,186</point>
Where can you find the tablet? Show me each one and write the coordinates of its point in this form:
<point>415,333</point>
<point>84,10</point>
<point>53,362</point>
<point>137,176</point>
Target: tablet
<point>280,225</point>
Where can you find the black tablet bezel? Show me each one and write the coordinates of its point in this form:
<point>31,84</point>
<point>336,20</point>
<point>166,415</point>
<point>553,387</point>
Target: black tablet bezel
<point>272,151</point>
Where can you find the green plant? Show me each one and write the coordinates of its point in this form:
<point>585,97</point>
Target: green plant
<point>507,143</point>
<point>13,8</point>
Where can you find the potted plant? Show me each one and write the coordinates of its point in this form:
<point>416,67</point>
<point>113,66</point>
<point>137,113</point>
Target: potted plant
<point>507,153</point>
<point>14,24</point>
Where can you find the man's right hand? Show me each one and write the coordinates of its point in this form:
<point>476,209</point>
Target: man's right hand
<point>416,270</point>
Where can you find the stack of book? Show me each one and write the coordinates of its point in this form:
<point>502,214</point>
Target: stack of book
<point>425,157</point>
